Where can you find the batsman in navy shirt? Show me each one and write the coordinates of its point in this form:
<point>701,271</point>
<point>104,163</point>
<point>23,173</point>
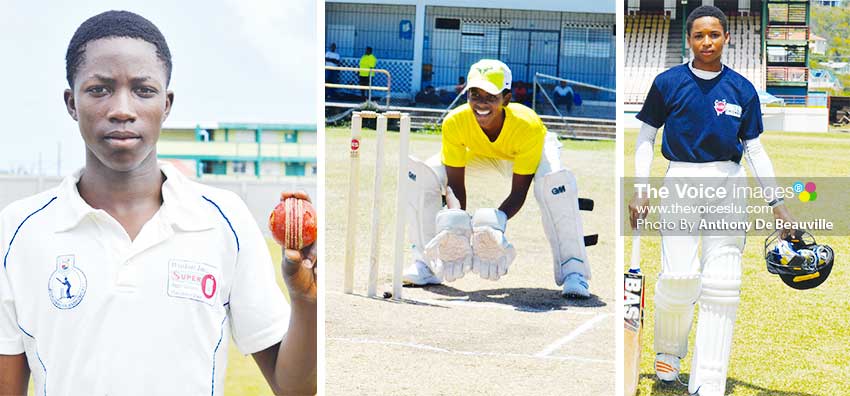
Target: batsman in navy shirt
<point>704,120</point>
<point>712,119</point>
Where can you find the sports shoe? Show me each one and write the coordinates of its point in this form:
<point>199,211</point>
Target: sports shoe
<point>575,286</point>
<point>667,367</point>
<point>419,274</point>
<point>706,390</point>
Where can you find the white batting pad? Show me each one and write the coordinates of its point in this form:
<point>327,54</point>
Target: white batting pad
<point>675,296</point>
<point>718,305</point>
<point>557,196</point>
<point>424,200</point>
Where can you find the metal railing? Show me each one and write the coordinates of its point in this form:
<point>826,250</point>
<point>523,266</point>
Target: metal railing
<point>536,83</point>
<point>451,106</point>
<point>369,87</point>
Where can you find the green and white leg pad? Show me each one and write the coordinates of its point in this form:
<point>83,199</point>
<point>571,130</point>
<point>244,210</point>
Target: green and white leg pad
<point>557,196</point>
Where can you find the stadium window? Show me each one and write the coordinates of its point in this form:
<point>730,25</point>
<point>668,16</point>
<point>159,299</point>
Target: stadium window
<point>589,42</point>
<point>599,43</point>
<point>447,23</point>
<point>294,169</point>
<point>214,167</point>
<point>479,38</point>
<point>239,167</point>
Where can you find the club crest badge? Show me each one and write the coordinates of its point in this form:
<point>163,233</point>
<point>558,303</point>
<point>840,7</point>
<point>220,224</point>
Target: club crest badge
<point>720,106</point>
<point>67,284</point>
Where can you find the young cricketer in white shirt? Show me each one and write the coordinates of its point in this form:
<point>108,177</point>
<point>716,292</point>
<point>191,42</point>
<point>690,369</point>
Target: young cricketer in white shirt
<point>129,278</point>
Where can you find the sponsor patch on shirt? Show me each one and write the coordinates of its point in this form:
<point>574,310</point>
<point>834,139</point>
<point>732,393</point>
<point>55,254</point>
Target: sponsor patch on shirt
<point>193,280</point>
<point>733,110</point>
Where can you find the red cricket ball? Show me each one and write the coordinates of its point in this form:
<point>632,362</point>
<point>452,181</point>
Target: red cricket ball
<point>293,223</point>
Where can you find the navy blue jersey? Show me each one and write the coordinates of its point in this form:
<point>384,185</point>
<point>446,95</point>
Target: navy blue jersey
<point>704,120</point>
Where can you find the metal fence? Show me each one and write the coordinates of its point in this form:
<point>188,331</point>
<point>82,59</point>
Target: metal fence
<point>260,196</point>
<point>401,71</point>
<point>597,102</point>
<point>388,29</point>
<point>577,46</point>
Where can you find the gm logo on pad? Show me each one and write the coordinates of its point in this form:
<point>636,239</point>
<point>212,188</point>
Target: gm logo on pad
<point>558,190</point>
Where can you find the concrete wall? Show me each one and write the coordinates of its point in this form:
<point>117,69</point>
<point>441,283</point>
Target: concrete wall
<point>796,119</point>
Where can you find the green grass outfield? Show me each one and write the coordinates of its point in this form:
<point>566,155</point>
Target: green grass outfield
<point>787,342</point>
<point>243,376</point>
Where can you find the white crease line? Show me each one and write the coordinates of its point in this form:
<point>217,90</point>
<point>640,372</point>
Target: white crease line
<point>467,353</point>
<point>492,305</point>
<point>569,337</point>
<point>483,304</point>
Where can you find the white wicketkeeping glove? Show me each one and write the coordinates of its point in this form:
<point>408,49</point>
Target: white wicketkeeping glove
<point>449,254</point>
<point>493,253</point>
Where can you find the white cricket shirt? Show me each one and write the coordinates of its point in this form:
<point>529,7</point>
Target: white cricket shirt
<point>99,314</point>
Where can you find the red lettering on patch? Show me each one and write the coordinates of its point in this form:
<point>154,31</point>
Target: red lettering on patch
<point>208,283</point>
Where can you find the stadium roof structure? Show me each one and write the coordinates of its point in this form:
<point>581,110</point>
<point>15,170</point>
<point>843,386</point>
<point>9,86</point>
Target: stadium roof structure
<point>597,6</point>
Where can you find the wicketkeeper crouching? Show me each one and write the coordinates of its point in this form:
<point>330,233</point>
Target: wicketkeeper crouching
<point>491,133</point>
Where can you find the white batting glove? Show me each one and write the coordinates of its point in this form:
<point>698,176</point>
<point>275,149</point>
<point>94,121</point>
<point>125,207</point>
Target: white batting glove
<point>449,254</point>
<point>493,253</point>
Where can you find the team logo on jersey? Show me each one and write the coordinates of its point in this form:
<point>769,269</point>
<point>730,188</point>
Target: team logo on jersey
<point>722,107</point>
<point>67,284</point>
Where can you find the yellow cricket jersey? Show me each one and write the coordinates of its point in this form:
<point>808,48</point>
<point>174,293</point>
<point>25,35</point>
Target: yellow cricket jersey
<point>367,62</point>
<point>520,141</point>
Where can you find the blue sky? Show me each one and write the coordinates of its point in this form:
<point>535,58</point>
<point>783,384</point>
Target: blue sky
<point>234,61</point>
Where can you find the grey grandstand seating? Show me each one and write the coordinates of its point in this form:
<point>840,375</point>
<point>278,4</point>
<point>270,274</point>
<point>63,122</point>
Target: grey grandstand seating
<point>742,54</point>
<point>646,45</point>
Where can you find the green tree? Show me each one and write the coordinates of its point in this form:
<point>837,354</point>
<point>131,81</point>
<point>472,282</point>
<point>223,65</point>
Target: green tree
<point>833,24</point>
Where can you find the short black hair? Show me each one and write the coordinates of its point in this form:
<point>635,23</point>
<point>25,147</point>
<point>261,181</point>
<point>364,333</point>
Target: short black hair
<point>707,11</point>
<point>114,24</point>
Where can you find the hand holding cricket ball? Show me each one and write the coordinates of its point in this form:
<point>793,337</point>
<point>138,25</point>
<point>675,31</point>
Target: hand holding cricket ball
<point>293,226</point>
